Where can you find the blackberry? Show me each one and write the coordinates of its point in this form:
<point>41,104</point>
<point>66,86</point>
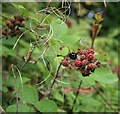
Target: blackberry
<point>9,24</point>
<point>73,55</point>
<point>90,56</point>
<point>84,62</point>
<point>12,20</point>
<point>77,63</point>
<point>91,51</point>
<point>17,23</point>
<point>85,72</point>
<point>83,57</point>
<point>65,62</point>
<point>4,32</point>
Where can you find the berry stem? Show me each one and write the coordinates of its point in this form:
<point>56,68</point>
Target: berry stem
<point>76,96</point>
<point>3,17</point>
<point>52,84</point>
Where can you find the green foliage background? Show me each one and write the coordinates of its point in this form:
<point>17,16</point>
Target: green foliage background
<point>31,91</point>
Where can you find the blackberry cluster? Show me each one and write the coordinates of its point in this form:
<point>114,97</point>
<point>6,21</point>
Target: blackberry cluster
<point>84,60</point>
<point>14,25</point>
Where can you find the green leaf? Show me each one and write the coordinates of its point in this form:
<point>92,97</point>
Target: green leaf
<point>59,28</point>
<point>88,80</point>
<point>58,96</point>
<point>55,44</point>
<point>64,51</point>
<point>104,75</point>
<point>46,105</point>
<point>59,59</point>
<point>21,108</point>
<point>10,81</point>
<point>19,7</point>
<point>7,51</point>
<point>29,94</point>
<point>70,40</point>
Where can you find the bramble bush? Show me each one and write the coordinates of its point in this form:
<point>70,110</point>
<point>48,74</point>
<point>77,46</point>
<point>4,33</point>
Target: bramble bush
<point>52,64</point>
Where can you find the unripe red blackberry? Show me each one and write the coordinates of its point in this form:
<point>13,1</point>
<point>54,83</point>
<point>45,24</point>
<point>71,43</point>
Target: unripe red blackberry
<point>4,32</point>
<point>83,57</point>
<point>91,51</point>
<point>65,62</point>
<point>17,23</point>
<point>77,63</point>
<point>91,67</point>
<point>84,62</point>
<point>90,56</point>
<point>9,24</point>
<point>84,52</point>
<point>12,20</point>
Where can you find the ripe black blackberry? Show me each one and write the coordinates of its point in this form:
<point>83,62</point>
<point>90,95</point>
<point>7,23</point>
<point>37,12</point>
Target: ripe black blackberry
<point>73,55</point>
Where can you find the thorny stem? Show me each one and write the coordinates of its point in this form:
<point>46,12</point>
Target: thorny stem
<point>105,100</point>
<point>76,94</point>
<point>52,84</point>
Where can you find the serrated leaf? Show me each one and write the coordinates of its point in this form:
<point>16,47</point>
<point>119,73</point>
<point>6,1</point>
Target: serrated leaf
<point>46,105</point>
<point>59,28</point>
<point>58,59</point>
<point>104,75</point>
<point>29,94</point>
<point>64,51</point>
<point>21,108</point>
